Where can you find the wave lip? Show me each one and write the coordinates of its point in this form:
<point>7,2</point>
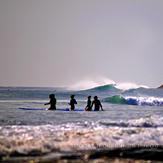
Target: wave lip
<point>89,84</point>
<point>117,99</point>
<point>104,87</point>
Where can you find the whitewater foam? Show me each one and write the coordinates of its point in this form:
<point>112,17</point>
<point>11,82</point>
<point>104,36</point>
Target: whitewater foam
<point>135,100</point>
<point>151,101</point>
<point>81,136</point>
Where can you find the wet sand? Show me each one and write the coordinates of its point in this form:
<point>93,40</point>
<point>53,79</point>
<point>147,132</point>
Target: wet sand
<point>119,155</point>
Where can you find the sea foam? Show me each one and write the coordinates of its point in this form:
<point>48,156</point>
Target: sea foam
<point>81,136</point>
<point>135,100</point>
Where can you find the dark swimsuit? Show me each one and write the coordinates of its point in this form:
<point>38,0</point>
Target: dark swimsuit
<point>97,104</point>
<point>88,107</point>
<point>52,104</point>
<point>72,104</point>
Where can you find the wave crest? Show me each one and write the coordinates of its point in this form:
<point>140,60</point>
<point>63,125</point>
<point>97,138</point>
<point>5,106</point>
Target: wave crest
<point>127,86</point>
<point>117,99</point>
<point>89,84</point>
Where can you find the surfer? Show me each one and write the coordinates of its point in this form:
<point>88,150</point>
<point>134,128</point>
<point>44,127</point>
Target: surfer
<point>52,102</point>
<point>89,104</point>
<point>97,104</point>
<point>72,102</point>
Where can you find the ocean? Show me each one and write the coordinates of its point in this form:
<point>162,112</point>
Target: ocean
<point>131,118</point>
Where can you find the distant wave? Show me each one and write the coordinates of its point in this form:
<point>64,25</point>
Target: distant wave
<point>90,84</point>
<point>104,87</point>
<point>127,86</point>
<point>131,100</point>
<point>122,87</point>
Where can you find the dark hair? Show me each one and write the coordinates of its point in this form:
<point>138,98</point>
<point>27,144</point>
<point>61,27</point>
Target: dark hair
<point>95,97</point>
<point>51,95</point>
<point>72,96</point>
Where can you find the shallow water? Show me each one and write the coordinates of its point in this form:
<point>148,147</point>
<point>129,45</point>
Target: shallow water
<point>119,125</point>
<point>10,114</point>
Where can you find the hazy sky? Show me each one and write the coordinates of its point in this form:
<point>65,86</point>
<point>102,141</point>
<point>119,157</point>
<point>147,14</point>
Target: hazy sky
<point>61,42</point>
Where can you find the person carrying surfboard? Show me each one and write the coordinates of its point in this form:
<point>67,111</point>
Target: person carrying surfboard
<point>89,104</point>
<point>52,102</point>
<point>97,104</point>
<point>72,102</point>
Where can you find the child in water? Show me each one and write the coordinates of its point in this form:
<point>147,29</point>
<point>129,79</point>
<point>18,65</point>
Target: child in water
<point>89,104</point>
<point>97,104</point>
<point>72,102</point>
<point>52,102</point>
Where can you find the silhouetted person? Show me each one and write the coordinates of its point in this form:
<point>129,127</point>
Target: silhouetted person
<point>89,104</point>
<point>97,104</point>
<point>72,102</point>
<point>52,102</point>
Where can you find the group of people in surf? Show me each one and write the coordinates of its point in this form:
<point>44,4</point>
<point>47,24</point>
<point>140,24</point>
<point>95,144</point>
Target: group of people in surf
<point>96,102</point>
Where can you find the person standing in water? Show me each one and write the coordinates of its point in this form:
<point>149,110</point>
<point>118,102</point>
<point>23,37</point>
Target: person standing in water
<point>89,104</point>
<point>97,104</point>
<point>72,102</point>
<point>52,102</point>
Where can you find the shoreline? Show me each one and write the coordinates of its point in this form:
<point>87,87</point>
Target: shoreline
<point>118,155</point>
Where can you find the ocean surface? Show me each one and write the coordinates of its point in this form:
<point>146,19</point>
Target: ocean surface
<point>130,118</point>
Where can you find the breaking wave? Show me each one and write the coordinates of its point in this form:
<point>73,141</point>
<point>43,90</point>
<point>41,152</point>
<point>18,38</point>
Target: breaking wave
<point>131,100</point>
<point>89,84</point>
<point>127,86</point>
<point>104,87</point>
